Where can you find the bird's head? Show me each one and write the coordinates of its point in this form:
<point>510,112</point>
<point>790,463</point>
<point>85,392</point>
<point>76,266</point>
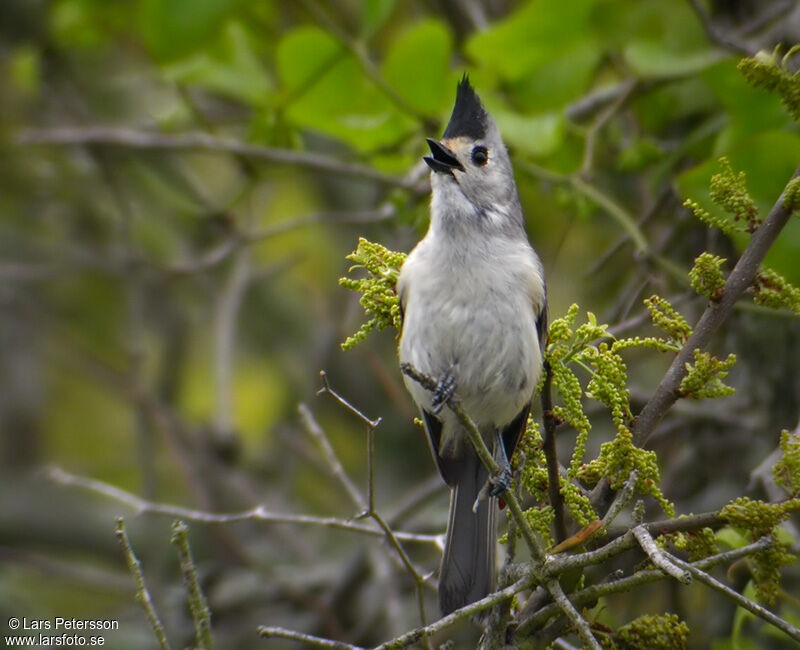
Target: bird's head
<point>470,163</point>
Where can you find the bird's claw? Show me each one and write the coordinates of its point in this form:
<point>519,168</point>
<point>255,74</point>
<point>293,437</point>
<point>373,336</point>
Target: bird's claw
<point>500,482</point>
<point>445,389</point>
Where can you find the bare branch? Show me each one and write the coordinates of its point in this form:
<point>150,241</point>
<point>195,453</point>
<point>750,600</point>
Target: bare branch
<point>486,458</point>
<point>268,632</point>
<point>740,600</point>
<point>714,34</point>
<point>534,544</point>
<point>313,428</point>
<point>622,499</point>
<point>197,140</point>
<point>628,89</point>
<point>259,513</point>
<point>597,100</point>
<point>369,510</point>
<point>326,389</point>
<point>142,593</point>
<point>551,455</point>
<point>198,605</point>
<point>658,557</point>
<point>226,317</point>
<point>582,627</point>
<point>464,613</point>
<point>589,595</point>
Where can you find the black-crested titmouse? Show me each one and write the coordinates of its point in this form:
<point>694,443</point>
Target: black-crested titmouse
<point>474,318</point>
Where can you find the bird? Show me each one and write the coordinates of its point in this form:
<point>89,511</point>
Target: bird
<point>474,317</point>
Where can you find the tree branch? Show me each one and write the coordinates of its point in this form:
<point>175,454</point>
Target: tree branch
<point>589,595</point>
<point>740,600</point>
<point>551,455</point>
<point>715,314</point>
<point>658,557</point>
<point>197,140</point>
<point>259,513</point>
<point>142,593</point>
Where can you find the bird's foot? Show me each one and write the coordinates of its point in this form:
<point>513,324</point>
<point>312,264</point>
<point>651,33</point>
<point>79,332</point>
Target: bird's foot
<point>500,482</point>
<point>445,389</point>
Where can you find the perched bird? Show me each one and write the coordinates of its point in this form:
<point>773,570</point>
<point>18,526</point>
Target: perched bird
<point>472,295</point>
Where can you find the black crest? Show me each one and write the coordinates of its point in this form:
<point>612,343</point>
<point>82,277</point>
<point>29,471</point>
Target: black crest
<point>469,118</point>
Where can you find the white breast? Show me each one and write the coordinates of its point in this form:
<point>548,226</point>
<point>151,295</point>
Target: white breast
<point>474,310</point>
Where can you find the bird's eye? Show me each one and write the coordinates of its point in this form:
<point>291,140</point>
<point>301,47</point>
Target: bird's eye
<point>480,155</point>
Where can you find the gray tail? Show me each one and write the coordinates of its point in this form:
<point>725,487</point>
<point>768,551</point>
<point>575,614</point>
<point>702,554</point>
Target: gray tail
<point>467,572</point>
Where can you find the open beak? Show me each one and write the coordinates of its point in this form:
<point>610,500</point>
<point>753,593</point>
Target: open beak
<point>442,161</point>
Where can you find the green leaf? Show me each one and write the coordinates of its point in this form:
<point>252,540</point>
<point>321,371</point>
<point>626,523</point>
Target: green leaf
<point>662,39</point>
<point>374,14</point>
<point>750,110</point>
<point>731,537</point>
<point>537,135</point>
<point>304,53</point>
<point>565,77</point>
<point>537,33</point>
<point>657,60</point>
<point>740,617</point>
<point>229,67</point>
<point>416,66</point>
<point>325,89</point>
<point>175,28</point>
<point>682,99</point>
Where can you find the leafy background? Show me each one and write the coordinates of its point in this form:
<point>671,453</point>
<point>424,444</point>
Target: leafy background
<point>164,311</point>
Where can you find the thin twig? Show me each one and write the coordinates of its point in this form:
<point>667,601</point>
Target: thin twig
<point>596,196</point>
<point>259,513</point>
<point>598,99</point>
<point>663,195</point>
<point>226,317</point>
<point>142,593</point>
<point>602,119</point>
<point>270,632</point>
<point>326,389</point>
<point>589,595</point>
<point>461,614</point>
<point>551,455</point>
<point>659,557</point>
<point>714,35</point>
<point>581,625</point>
<point>740,600</point>
<point>369,506</point>
<point>197,140</point>
<point>622,499</point>
<point>222,251</point>
<point>313,428</point>
<point>198,606</point>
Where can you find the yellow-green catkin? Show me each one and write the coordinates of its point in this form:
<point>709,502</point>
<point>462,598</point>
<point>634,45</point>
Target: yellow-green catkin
<point>767,70</point>
<point>787,470</point>
<point>703,379</point>
<point>378,295</point>
<point>776,292</point>
<point>706,276</point>
<point>662,632</point>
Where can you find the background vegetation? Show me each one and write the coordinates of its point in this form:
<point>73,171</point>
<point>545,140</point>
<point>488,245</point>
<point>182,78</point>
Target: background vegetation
<point>179,185</point>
